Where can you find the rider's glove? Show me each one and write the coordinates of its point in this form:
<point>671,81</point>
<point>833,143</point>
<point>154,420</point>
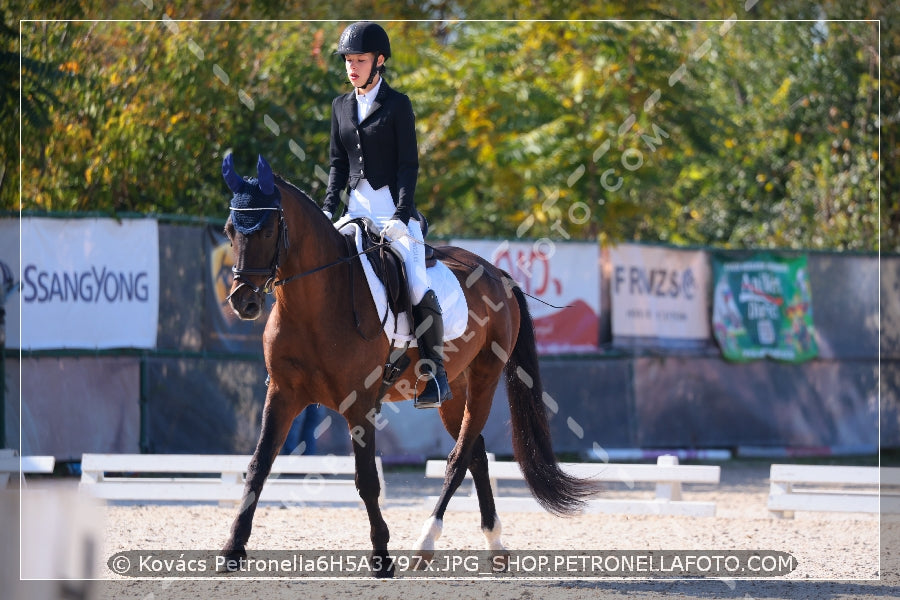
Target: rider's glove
<point>394,230</point>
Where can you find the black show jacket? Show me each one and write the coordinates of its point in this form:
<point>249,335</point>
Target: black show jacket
<point>382,149</point>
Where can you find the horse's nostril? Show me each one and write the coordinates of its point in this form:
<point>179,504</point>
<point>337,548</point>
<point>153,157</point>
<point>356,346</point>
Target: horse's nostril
<point>252,308</point>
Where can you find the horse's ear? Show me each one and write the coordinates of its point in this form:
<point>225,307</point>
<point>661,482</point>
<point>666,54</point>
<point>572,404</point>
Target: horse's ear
<point>232,179</point>
<point>266,179</point>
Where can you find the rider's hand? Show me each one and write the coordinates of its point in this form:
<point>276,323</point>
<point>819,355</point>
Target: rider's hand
<point>394,229</point>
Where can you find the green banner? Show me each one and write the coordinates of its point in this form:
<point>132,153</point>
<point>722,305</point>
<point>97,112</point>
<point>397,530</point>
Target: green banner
<point>762,308</point>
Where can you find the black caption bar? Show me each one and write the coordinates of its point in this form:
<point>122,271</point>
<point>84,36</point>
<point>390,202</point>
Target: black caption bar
<point>575,564</point>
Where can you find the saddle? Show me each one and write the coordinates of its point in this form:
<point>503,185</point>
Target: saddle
<point>388,265</point>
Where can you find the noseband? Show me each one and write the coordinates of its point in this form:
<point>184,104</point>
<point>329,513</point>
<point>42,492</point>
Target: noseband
<point>282,241</point>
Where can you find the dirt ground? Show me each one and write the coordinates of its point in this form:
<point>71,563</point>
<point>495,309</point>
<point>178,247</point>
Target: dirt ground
<point>836,555</point>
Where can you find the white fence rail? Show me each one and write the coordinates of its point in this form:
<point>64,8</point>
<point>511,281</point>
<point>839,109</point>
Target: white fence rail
<point>667,475</point>
<point>10,463</point>
<point>192,477</point>
<point>831,488</point>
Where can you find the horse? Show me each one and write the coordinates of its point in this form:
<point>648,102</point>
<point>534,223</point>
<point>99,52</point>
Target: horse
<point>321,345</point>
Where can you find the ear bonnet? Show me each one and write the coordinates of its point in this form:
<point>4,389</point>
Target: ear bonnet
<point>254,198</point>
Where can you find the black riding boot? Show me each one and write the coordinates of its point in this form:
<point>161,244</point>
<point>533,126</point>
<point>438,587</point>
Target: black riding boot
<point>429,325</point>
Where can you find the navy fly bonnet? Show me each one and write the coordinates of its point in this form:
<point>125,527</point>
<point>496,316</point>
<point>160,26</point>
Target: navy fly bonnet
<point>254,198</point>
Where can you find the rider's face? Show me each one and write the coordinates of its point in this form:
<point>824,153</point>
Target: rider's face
<point>359,66</point>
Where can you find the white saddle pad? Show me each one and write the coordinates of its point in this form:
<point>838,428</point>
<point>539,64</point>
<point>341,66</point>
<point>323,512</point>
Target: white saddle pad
<point>440,279</point>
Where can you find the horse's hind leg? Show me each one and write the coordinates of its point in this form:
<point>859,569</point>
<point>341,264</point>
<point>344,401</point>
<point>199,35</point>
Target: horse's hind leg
<point>369,487</point>
<point>276,421</point>
<point>490,522</point>
<point>465,422</point>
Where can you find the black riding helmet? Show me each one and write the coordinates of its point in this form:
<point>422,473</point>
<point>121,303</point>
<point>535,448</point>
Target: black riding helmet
<point>364,37</point>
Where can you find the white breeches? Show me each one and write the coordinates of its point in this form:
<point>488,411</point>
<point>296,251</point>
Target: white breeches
<point>379,206</point>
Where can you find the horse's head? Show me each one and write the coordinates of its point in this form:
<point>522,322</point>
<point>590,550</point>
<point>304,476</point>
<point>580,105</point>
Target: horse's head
<point>258,235</point>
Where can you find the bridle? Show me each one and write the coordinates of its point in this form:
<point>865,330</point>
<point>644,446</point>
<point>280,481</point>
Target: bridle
<point>281,242</point>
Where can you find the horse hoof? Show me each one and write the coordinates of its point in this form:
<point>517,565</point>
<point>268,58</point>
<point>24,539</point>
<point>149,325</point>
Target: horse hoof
<point>385,573</point>
<point>500,561</point>
<point>422,560</point>
<point>382,565</point>
<point>230,561</point>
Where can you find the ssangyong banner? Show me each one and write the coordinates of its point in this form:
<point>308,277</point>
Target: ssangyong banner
<point>565,279</point>
<point>89,283</point>
<point>659,296</point>
<point>763,307</point>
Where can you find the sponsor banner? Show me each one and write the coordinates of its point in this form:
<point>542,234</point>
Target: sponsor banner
<point>89,283</point>
<point>225,331</point>
<point>659,296</point>
<point>762,307</point>
<point>565,276</point>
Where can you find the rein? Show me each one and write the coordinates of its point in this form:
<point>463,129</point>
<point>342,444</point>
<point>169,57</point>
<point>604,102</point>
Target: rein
<point>473,269</point>
<point>340,261</point>
<point>271,283</point>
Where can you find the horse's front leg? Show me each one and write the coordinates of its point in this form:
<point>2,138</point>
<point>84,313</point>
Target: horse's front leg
<point>369,487</point>
<point>276,421</point>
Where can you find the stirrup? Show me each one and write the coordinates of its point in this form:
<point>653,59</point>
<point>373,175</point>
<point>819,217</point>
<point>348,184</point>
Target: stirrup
<point>435,398</point>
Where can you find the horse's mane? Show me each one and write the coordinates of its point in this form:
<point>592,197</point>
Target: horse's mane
<point>301,197</point>
<point>282,182</point>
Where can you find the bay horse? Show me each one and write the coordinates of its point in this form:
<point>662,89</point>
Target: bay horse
<point>321,346</point>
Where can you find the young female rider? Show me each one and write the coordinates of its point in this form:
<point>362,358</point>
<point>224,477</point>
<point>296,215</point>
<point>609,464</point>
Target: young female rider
<point>374,152</point>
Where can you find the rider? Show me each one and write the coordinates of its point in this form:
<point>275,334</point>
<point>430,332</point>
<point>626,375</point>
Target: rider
<point>374,151</point>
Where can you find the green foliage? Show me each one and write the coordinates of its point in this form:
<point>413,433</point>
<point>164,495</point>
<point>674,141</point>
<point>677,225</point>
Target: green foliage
<point>729,133</point>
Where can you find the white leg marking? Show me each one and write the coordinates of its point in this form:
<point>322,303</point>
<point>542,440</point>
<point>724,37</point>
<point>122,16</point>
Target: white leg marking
<point>492,536</point>
<point>431,532</point>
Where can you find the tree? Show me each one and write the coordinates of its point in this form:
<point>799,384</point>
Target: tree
<point>32,87</point>
<point>794,142</point>
<point>729,133</point>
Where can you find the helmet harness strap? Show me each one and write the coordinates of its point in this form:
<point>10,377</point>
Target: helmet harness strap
<point>373,71</point>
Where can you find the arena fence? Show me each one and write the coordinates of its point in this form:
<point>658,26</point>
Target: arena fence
<point>667,477</point>
<point>201,390</point>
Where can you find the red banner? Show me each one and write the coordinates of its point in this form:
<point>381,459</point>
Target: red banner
<point>563,278</point>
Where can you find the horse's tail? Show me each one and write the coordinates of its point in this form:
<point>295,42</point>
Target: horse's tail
<point>556,491</point>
